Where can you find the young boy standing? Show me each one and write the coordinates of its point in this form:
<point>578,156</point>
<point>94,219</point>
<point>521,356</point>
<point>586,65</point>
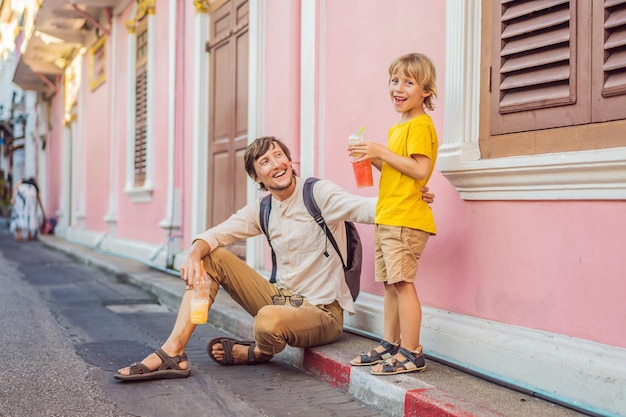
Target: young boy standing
<point>403,220</point>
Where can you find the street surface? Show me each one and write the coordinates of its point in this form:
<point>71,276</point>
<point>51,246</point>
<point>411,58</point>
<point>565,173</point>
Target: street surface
<point>66,328</point>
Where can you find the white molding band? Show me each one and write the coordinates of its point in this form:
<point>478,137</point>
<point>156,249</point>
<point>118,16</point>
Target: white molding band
<point>596,174</point>
<point>141,251</point>
<point>568,370</point>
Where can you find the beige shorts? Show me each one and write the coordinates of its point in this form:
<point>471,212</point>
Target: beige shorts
<point>397,252</point>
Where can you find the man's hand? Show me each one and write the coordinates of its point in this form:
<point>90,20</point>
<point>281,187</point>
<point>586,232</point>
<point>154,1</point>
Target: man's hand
<point>192,269</point>
<point>426,196</point>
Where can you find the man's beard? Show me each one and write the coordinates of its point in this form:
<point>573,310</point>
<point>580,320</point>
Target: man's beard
<point>282,187</point>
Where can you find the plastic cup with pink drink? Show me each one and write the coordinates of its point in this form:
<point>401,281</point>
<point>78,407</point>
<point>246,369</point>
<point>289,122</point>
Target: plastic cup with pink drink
<point>362,169</point>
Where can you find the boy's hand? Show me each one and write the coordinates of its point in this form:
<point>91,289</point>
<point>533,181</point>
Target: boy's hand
<point>426,196</point>
<point>366,150</point>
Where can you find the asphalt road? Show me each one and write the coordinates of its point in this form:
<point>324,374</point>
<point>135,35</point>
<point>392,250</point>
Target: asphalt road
<point>66,328</point>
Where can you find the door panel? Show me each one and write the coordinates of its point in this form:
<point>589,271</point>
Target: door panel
<point>228,113</point>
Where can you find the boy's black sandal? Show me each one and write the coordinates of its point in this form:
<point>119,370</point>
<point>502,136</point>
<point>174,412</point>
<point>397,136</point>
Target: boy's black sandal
<point>373,356</point>
<point>413,362</point>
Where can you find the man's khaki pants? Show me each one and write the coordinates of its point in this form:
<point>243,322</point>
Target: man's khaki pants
<point>274,325</point>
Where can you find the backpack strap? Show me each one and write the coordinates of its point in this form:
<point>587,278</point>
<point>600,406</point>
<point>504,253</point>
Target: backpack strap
<point>315,212</point>
<point>264,218</point>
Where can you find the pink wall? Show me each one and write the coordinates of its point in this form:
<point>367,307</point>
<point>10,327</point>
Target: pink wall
<point>553,266</point>
<point>282,58</point>
<point>358,53</point>
<point>139,221</point>
<point>95,138</point>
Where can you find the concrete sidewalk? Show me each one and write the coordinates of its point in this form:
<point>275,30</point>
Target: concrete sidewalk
<point>440,391</point>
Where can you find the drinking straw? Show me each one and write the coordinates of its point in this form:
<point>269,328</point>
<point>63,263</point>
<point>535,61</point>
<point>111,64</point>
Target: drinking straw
<point>360,131</point>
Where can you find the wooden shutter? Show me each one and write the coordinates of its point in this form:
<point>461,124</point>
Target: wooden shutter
<point>141,104</point>
<point>609,60</point>
<point>537,69</point>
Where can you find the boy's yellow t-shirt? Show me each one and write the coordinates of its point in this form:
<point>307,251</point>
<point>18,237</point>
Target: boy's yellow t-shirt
<point>400,199</point>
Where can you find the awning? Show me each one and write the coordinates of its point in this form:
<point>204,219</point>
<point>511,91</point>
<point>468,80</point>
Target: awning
<point>59,31</point>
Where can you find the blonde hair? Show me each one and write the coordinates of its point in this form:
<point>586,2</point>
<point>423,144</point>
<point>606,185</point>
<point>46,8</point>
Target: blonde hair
<point>421,68</point>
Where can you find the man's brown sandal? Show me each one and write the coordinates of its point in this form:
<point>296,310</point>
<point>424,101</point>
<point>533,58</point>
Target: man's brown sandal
<point>228,343</point>
<point>170,368</point>
<point>374,356</point>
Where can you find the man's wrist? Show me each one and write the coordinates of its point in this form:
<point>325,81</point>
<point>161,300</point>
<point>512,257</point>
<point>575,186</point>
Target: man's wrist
<point>200,248</point>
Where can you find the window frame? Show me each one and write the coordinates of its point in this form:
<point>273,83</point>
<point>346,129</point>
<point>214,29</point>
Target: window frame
<point>141,104</point>
<point>97,63</point>
<point>577,173</point>
<point>144,15</point>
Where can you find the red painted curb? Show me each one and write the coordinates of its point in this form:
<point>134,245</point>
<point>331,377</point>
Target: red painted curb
<point>322,366</point>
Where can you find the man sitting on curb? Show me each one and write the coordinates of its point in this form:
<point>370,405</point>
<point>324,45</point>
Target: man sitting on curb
<point>304,308</point>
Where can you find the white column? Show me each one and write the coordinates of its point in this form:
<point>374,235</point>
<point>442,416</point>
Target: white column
<point>30,146</point>
<point>172,216</point>
<point>65,212</point>
<point>308,68</point>
<point>462,83</point>
<point>200,124</point>
<point>111,216</point>
<point>256,96</point>
<point>150,104</point>
<point>79,187</point>
<point>130,103</point>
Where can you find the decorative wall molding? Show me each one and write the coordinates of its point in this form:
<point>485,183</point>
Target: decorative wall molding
<point>583,175</point>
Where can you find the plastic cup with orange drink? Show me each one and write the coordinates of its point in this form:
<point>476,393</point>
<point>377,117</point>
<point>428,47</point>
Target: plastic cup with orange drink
<point>200,302</point>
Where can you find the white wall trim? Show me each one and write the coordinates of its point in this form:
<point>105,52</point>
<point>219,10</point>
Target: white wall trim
<point>79,187</point>
<point>308,71</point>
<point>574,371</point>
<point>596,174</point>
<point>536,177</point>
<point>64,212</point>
<point>111,215</point>
<point>321,91</point>
<point>150,104</point>
<point>256,115</point>
<point>141,251</point>
<point>171,221</point>
<point>200,124</point>
<point>131,113</point>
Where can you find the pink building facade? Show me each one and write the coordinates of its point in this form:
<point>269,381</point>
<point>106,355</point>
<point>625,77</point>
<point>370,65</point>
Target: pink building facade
<point>524,282</point>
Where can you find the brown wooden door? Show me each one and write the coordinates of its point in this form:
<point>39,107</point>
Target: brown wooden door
<point>228,112</point>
